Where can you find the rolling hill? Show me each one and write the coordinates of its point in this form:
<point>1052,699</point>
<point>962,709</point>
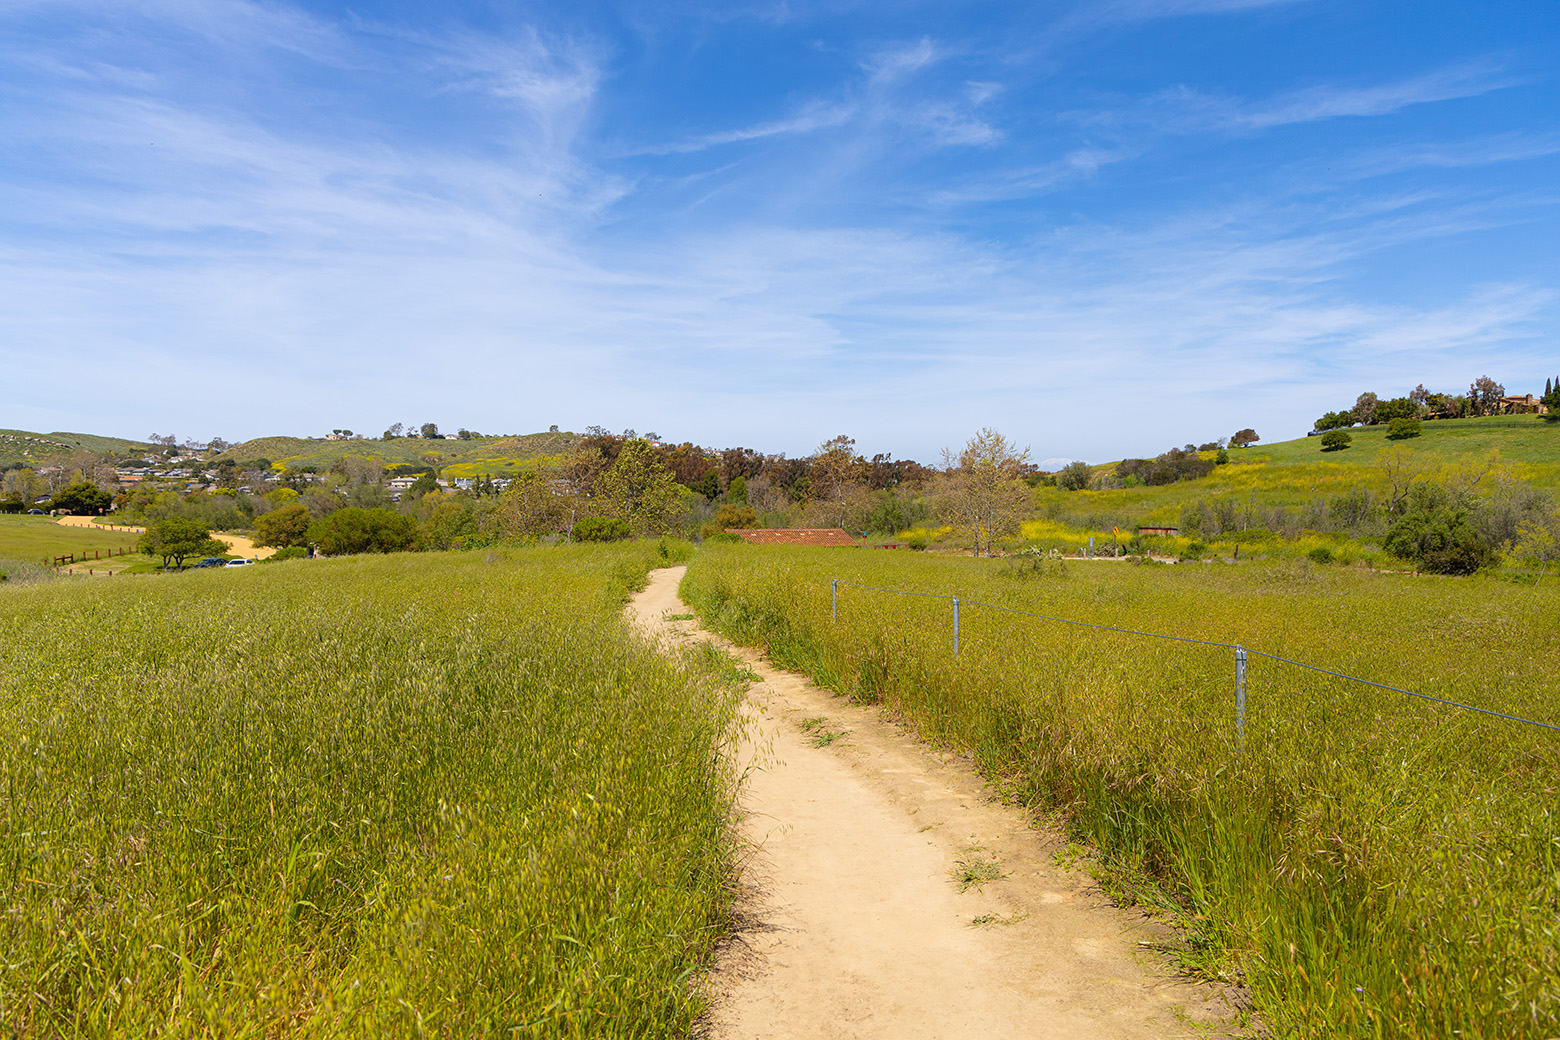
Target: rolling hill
<point>26,446</point>
<point>480,456</point>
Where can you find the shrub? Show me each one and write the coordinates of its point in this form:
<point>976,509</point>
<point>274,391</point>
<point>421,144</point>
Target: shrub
<point>1335,440</point>
<point>284,526</point>
<point>1321,554</point>
<point>729,516</point>
<point>1441,538</point>
<point>292,552</point>
<point>601,529</point>
<point>355,530</point>
<point>1075,476</point>
<point>1402,429</point>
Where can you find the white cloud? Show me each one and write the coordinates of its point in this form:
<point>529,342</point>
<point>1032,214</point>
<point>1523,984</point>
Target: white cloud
<point>894,63</point>
<point>815,116</point>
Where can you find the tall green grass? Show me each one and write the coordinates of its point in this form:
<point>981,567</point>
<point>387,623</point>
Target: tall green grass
<point>1371,864</point>
<point>441,794</point>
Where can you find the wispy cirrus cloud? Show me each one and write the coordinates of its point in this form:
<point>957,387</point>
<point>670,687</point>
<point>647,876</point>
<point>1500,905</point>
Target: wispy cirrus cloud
<point>1185,110</point>
<point>815,116</point>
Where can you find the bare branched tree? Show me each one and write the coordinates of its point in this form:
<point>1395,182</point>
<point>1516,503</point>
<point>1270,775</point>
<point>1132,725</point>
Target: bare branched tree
<point>982,494</point>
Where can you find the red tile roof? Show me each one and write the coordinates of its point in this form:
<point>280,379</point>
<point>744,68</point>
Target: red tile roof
<point>825,536</point>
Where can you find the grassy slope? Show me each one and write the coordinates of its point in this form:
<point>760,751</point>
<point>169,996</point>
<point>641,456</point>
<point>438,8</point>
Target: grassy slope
<point>421,794</point>
<point>34,537</point>
<point>482,456</point>
<point>25,446</point>
<point>1373,864</point>
<point>1291,473</point>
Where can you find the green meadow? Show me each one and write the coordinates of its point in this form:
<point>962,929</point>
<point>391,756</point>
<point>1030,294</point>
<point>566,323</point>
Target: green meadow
<point>32,538</point>
<point>1293,473</point>
<point>419,794</point>
<point>478,457</point>
<point>1369,864</point>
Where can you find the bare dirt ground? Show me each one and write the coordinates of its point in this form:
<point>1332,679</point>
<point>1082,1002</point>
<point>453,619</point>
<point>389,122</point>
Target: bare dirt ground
<point>852,922</point>
<point>237,544</point>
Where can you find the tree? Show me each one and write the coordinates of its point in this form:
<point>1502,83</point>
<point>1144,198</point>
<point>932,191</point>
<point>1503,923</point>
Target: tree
<point>1335,440</point>
<point>393,432</point>
<point>1484,395</point>
<point>729,516</point>
<point>464,434</point>
<point>356,530</point>
<point>430,431</point>
<point>82,498</point>
<point>639,489</point>
<point>1401,429</point>
<point>537,503</point>
<point>285,526</point>
<point>1421,397</point>
<point>1334,420</point>
<point>1396,408</point>
<point>983,495</point>
<point>1242,438</point>
<point>1551,398</point>
<point>1075,476</point>
<point>177,538</point>
<point>1365,408</point>
<point>425,484</point>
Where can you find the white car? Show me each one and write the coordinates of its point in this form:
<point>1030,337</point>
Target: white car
<point>239,563</point>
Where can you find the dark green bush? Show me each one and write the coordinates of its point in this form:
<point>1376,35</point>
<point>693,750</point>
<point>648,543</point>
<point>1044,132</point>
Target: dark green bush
<point>601,529</point>
<point>354,530</point>
<point>1402,429</point>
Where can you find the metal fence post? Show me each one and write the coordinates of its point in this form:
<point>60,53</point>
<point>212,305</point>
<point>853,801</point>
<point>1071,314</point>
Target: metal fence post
<point>955,626</point>
<point>834,598</point>
<point>1240,699</point>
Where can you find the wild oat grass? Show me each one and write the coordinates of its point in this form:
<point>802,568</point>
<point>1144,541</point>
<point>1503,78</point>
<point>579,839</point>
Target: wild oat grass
<point>1371,865</point>
<point>440,794</point>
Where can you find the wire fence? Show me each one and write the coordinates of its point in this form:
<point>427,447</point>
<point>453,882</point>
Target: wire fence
<point>1241,653</point>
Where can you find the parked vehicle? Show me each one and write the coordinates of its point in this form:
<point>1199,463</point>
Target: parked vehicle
<point>239,563</point>
<point>35,512</point>
<point>210,561</point>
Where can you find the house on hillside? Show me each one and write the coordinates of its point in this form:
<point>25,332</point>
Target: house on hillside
<point>1526,404</point>
<point>1168,532</point>
<point>827,537</point>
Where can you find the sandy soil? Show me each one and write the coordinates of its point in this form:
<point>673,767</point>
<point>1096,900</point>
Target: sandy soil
<point>851,923</point>
<point>237,544</point>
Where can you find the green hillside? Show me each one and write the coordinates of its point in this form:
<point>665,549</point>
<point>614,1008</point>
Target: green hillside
<point>480,456</point>
<point>1292,473</point>
<point>26,446</point>
<point>1264,489</point>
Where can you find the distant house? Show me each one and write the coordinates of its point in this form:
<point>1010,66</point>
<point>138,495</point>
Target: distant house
<point>1168,532</point>
<point>828,537</point>
<point>1523,405</point>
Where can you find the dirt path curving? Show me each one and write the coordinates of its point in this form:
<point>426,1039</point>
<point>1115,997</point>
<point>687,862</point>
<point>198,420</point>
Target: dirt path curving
<point>237,544</point>
<point>851,922</point>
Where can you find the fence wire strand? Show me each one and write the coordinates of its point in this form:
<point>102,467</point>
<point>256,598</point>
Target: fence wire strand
<point>1207,642</point>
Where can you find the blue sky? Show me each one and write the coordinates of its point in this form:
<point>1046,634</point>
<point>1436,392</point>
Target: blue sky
<point>1104,228</point>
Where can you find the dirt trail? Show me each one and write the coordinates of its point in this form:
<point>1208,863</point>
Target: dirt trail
<point>237,544</point>
<point>851,923</point>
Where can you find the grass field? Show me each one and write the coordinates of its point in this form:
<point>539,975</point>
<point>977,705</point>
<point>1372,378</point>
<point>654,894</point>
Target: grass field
<point>31,538</point>
<point>1292,473</point>
<point>407,795</point>
<point>24,446</point>
<point>481,456</point>
<point>1371,865</point>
